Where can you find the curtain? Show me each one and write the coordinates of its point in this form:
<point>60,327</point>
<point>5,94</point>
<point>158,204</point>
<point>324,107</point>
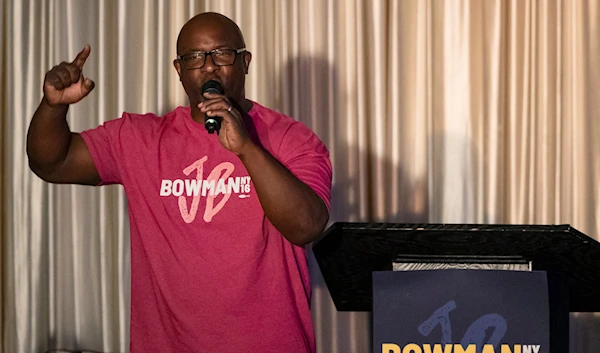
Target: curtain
<point>434,111</point>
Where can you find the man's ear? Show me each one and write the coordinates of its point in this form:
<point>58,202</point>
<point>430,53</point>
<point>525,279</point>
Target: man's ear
<point>247,59</point>
<point>177,65</point>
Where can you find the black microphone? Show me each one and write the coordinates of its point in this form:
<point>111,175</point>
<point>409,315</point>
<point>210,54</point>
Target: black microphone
<point>212,124</point>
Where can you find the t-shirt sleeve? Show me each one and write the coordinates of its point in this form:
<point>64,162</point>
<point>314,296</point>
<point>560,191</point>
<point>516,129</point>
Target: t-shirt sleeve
<point>102,143</point>
<point>305,156</point>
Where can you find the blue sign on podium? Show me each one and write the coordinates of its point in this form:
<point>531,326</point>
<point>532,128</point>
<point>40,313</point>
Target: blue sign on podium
<point>461,311</point>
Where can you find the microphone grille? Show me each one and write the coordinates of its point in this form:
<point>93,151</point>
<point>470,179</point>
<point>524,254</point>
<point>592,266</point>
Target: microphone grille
<point>212,86</point>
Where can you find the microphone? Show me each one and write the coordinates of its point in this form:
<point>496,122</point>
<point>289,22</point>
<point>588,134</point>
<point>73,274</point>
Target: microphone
<point>212,124</point>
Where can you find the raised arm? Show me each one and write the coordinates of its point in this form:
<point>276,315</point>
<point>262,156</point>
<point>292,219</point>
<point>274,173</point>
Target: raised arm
<point>56,154</point>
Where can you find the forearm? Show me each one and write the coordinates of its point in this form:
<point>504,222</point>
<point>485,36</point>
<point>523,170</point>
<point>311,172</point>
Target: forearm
<point>289,204</point>
<point>48,139</point>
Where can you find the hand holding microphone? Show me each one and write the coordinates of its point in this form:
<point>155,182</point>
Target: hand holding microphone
<point>221,116</point>
<point>212,124</point>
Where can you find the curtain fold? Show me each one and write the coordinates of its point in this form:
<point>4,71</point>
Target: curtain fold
<point>451,111</point>
<point>3,204</point>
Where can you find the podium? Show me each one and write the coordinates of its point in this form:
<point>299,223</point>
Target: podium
<point>519,275</point>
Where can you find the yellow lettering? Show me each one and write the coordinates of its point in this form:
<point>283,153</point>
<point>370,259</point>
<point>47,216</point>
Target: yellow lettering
<point>412,348</point>
<point>390,348</point>
<point>470,348</point>
<point>506,348</point>
<point>437,348</point>
<point>488,348</point>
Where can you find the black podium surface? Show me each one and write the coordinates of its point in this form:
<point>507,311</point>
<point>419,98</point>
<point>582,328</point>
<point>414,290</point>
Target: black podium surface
<point>349,253</point>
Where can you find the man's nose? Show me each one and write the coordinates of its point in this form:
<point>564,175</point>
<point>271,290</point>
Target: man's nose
<point>209,64</point>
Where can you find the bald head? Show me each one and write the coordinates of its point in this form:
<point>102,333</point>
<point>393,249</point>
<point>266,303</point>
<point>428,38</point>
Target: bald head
<point>208,33</point>
<point>209,21</point>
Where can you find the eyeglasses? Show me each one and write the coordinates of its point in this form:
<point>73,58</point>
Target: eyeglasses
<point>221,57</point>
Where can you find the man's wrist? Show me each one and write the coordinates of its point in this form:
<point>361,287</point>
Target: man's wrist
<point>250,152</point>
<point>56,107</point>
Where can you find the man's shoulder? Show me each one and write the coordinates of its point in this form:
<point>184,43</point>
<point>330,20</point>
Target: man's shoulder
<point>153,118</point>
<point>275,121</point>
<point>282,134</point>
<point>267,114</point>
<point>132,123</point>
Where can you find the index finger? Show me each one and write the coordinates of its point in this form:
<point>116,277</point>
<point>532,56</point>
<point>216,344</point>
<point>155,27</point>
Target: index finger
<point>213,96</point>
<point>82,56</point>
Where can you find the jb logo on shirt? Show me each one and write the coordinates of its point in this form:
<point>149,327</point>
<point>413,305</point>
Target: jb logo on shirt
<point>219,183</point>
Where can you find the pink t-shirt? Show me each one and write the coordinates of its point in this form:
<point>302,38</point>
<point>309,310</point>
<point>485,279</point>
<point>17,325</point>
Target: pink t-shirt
<point>209,271</point>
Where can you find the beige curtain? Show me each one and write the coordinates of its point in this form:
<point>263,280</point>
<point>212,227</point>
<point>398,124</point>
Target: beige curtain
<point>3,145</point>
<point>434,111</point>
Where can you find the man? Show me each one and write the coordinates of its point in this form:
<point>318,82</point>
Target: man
<point>233,278</point>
